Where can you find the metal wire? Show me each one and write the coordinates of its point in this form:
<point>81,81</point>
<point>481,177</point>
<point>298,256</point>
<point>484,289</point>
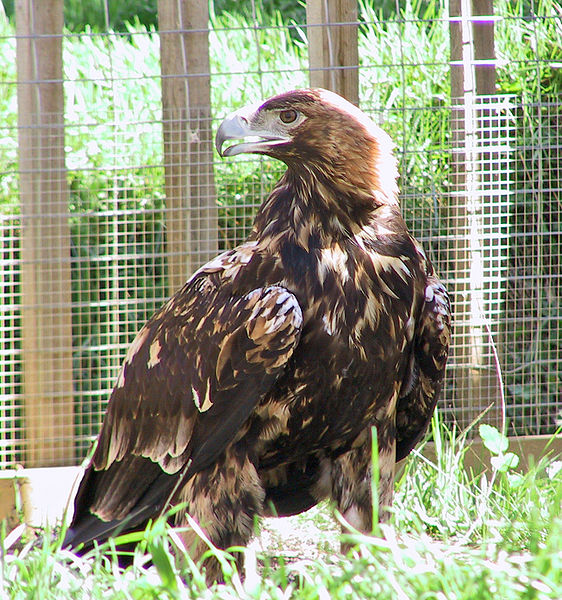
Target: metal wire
<point>119,211</point>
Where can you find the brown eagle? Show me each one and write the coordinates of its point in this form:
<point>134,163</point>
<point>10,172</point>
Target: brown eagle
<point>254,389</point>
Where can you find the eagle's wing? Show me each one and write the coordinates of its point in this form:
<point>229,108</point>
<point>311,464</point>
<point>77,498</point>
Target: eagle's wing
<point>191,378</point>
<point>427,369</point>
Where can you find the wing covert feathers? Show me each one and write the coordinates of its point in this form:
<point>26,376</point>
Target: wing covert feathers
<point>431,345</point>
<point>191,378</point>
<point>206,352</point>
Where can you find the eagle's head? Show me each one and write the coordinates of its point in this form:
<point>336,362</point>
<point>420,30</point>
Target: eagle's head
<point>320,133</point>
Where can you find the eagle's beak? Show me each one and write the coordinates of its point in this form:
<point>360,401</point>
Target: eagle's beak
<point>240,125</point>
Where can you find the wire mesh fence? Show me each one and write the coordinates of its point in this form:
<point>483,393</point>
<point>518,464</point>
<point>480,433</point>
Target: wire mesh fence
<point>136,200</point>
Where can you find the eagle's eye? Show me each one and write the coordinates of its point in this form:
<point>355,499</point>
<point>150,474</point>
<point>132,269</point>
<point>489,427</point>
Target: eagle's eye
<point>288,116</point>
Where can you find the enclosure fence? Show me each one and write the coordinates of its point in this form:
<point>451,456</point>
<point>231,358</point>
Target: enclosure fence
<point>111,193</point>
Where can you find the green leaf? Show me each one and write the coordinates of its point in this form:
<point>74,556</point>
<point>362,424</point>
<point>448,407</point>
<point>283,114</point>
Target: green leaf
<point>515,479</point>
<point>493,439</point>
<point>161,556</point>
<point>163,564</point>
<point>503,462</point>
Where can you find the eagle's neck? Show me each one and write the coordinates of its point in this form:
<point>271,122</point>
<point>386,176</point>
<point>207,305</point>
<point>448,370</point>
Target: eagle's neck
<point>313,209</point>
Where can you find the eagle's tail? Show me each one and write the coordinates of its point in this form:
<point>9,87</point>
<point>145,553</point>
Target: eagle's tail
<point>149,500</point>
<point>81,537</point>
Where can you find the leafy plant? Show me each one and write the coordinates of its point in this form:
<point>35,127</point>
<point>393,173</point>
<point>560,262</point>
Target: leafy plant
<point>453,535</point>
<point>497,444</point>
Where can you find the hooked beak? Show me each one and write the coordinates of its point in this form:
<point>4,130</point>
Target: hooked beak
<point>240,125</point>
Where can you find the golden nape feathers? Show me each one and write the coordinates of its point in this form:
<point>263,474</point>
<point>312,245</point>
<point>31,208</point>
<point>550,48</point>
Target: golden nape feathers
<point>255,387</point>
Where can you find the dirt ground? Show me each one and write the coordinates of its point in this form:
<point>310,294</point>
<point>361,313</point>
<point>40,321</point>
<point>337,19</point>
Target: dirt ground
<point>304,536</point>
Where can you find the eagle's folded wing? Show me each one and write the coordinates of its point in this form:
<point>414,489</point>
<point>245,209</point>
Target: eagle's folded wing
<point>427,369</point>
<point>190,380</point>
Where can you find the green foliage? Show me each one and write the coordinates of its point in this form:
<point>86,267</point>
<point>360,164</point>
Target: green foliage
<point>497,444</point>
<point>112,81</point>
<point>454,505</point>
<point>530,47</point>
<point>266,10</point>
<point>402,71</point>
<point>453,535</point>
<point>9,112</point>
<point>117,15</point>
<point>101,15</point>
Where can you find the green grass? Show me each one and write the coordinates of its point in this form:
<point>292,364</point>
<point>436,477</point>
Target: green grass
<point>453,535</point>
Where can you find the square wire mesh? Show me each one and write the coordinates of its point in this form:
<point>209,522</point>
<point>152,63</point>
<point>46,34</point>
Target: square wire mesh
<point>495,242</point>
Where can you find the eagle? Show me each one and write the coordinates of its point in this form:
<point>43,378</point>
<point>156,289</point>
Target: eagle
<point>254,390</point>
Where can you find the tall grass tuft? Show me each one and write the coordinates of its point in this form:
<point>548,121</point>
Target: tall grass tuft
<point>453,535</point>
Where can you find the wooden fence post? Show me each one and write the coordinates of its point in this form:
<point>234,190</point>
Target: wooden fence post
<point>476,377</point>
<point>333,49</point>
<point>484,49</point>
<point>191,215</point>
<point>45,247</point>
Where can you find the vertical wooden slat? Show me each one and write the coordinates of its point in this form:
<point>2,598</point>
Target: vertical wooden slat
<point>484,48</point>
<point>333,46</point>
<point>476,384</point>
<point>175,132</point>
<point>191,217</point>
<point>46,277</point>
<point>202,183</point>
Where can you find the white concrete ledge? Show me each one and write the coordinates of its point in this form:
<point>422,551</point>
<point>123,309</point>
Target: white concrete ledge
<point>38,497</point>
<point>43,497</point>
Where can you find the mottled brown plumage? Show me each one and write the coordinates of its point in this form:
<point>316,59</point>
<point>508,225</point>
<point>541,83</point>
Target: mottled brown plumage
<point>254,389</point>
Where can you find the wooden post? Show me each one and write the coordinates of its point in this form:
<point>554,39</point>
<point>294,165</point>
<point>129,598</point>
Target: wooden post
<point>484,50</point>
<point>476,378</point>
<point>45,249</point>
<point>333,46</point>
<point>191,215</point>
